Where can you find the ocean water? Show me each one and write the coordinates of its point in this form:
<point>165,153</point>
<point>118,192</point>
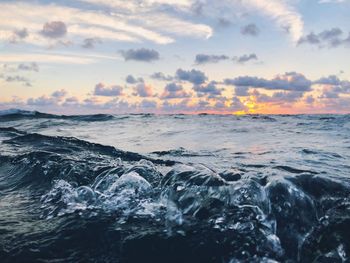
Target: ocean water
<point>174,188</point>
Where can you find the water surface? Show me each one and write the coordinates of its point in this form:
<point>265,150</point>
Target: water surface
<point>174,188</point>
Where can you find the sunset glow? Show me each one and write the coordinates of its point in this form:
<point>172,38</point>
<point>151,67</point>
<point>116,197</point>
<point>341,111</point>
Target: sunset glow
<point>251,57</point>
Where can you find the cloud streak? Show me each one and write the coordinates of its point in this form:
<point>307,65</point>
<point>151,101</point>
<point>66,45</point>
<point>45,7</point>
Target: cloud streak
<point>46,22</point>
<point>290,81</point>
<point>331,38</point>
<point>202,59</point>
<point>283,14</point>
<point>28,67</point>
<point>142,54</point>
<point>245,58</point>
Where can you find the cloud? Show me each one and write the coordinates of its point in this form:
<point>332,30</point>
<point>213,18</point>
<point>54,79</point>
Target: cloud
<point>336,105</point>
<point>118,105</point>
<point>250,30</point>
<point>237,105</point>
<point>59,58</point>
<point>29,67</point>
<point>83,23</point>
<point>90,43</point>
<point>209,90</point>
<point>331,1</point>
<point>287,96</point>
<point>61,43</point>
<point>71,101</point>
<point>242,91</point>
<point>18,35</point>
<point>173,107</point>
<point>8,69</point>
<point>278,98</point>
<point>187,106</point>
<point>130,79</point>
<point>205,59</point>
<point>148,104</point>
<point>59,94</point>
<point>54,29</point>
<point>92,102</point>
<point>342,86</point>
<point>136,21</point>
<point>245,58</point>
<point>21,33</point>
<point>158,16</point>
<point>331,38</point>
<point>142,54</point>
<point>161,76</point>
<point>49,101</point>
<point>330,80</point>
<point>220,104</point>
<point>143,90</point>
<point>42,101</point>
<point>291,81</point>
<point>223,22</point>
<point>174,91</point>
<point>333,87</point>
<point>17,78</point>
<point>329,93</point>
<point>112,91</point>
<point>284,14</point>
<point>193,76</point>
<point>309,99</point>
<point>14,103</point>
<point>202,105</point>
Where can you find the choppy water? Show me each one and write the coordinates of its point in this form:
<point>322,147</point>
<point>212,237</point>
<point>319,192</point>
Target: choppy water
<point>178,188</point>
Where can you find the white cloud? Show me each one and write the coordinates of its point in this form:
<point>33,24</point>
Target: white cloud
<point>51,58</point>
<point>35,16</point>
<point>125,21</point>
<point>331,1</point>
<point>146,13</point>
<point>283,13</point>
<point>102,33</point>
<point>158,21</point>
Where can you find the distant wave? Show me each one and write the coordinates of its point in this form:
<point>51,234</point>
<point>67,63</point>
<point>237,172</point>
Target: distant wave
<point>16,114</point>
<point>182,152</point>
<point>9,115</point>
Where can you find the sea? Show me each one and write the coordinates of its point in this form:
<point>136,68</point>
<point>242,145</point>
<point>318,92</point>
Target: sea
<point>174,188</point>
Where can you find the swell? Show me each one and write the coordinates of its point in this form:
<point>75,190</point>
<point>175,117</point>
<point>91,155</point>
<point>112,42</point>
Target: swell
<point>70,146</point>
<point>37,160</point>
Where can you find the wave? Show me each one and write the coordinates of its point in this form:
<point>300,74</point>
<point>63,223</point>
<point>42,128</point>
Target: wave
<point>32,142</point>
<point>15,114</point>
<point>329,155</point>
<point>11,130</point>
<point>294,170</point>
<point>182,152</point>
<point>77,201</point>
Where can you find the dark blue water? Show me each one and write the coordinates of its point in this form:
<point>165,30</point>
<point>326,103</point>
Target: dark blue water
<point>175,188</point>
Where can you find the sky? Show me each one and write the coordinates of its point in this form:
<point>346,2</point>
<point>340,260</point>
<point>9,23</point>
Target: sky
<point>175,56</point>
